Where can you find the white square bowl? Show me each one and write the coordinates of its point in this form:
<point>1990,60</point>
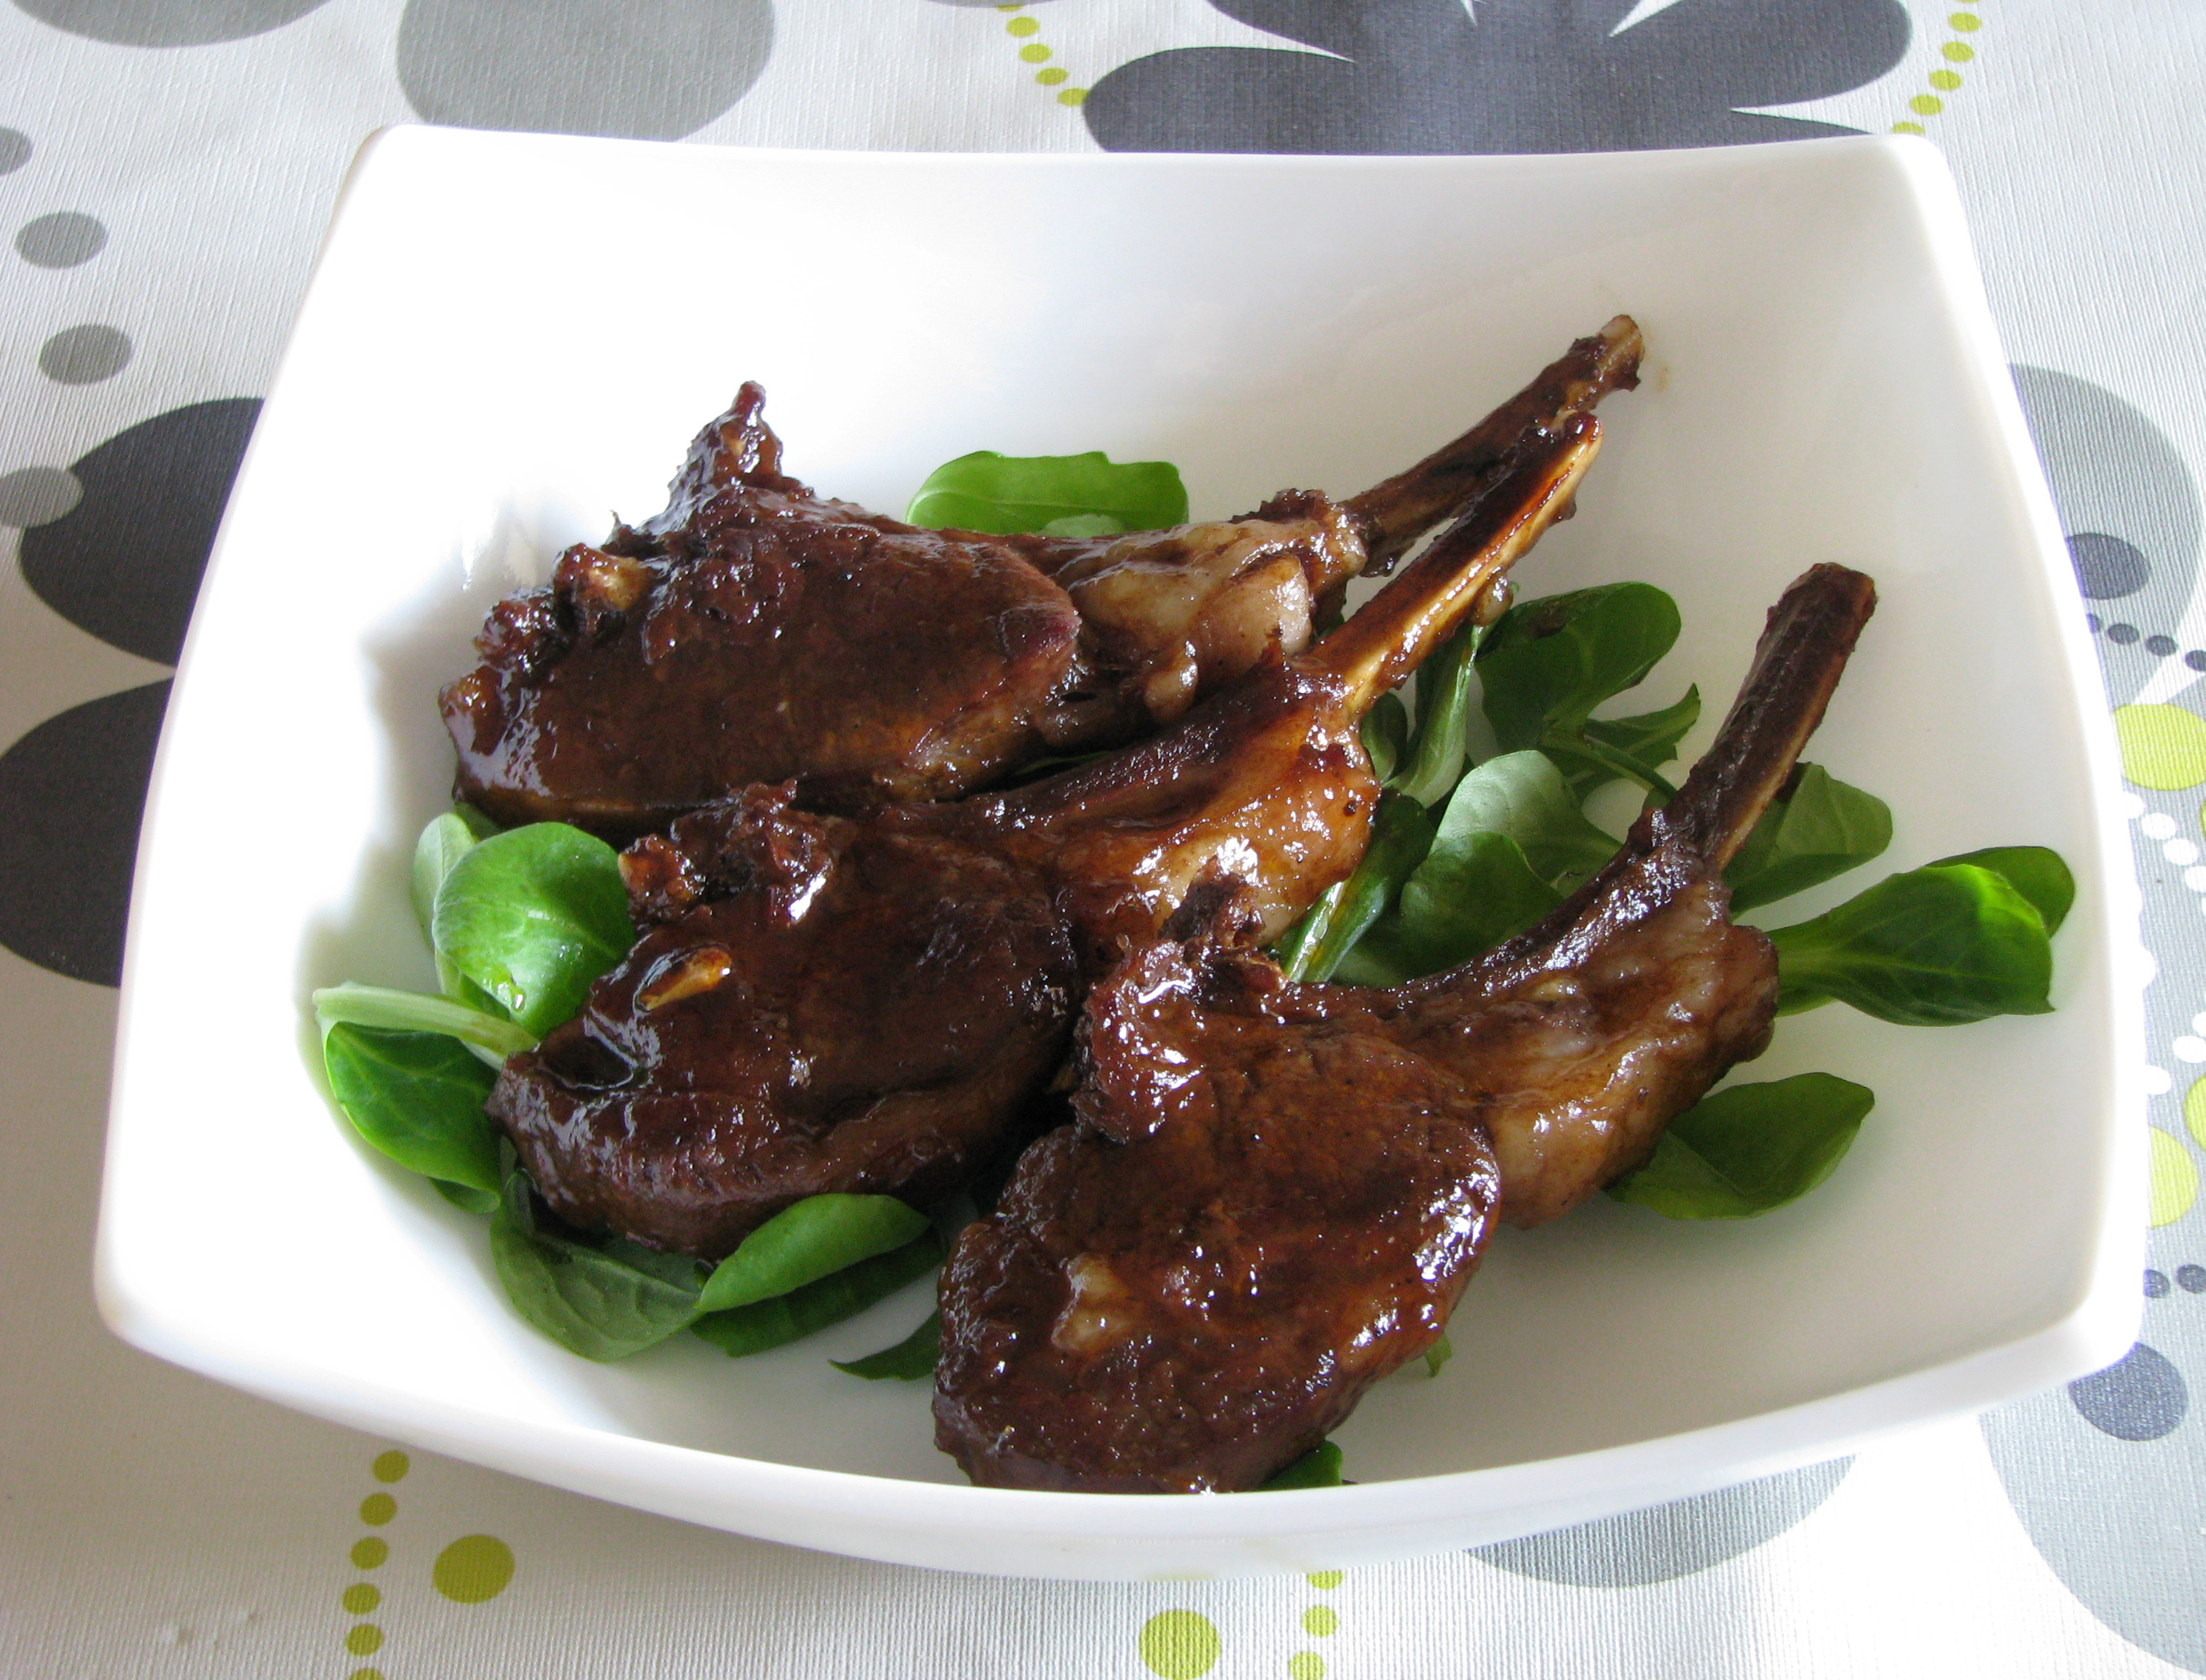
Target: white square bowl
<point>509,336</point>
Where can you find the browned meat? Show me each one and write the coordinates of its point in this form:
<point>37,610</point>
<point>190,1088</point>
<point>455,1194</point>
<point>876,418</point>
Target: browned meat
<point>823,1003</point>
<point>1274,1192</point>
<point>752,632</point>
<point>1193,1286</point>
<point>755,632</point>
<point>811,1008</point>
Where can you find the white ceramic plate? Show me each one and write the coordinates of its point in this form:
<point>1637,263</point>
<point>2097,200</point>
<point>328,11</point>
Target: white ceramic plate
<point>509,337</point>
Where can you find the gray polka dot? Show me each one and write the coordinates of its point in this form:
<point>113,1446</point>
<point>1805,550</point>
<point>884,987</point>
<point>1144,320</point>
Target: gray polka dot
<point>2193,1278</point>
<point>646,69</point>
<point>2155,1283</point>
<point>2128,500</point>
<point>1675,1539</point>
<point>124,563</point>
<point>2121,1523</point>
<point>72,792</point>
<point>2159,646</point>
<point>37,495</point>
<point>15,150</point>
<point>84,355</point>
<point>166,23</point>
<point>2140,1398</point>
<point>62,240</point>
<point>2106,568</point>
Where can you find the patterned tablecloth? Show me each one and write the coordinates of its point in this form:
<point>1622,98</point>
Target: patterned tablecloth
<point>166,168</point>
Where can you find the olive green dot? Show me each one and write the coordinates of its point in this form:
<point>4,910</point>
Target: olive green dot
<point>1965,22</point>
<point>365,1674</point>
<point>1051,77</point>
<point>2162,747</point>
<point>472,1568</point>
<point>1960,51</point>
<point>1926,105</point>
<point>2175,1179</point>
<point>369,1554</point>
<point>364,1640</point>
<point>391,1467</point>
<point>2194,1110</point>
<point>1025,25</point>
<point>359,1598</point>
<point>1907,128</point>
<point>1034,54</point>
<point>1945,80</point>
<point>1306,1666</point>
<point>1073,96</point>
<point>1179,1645</point>
<point>1326,1580</point>
<point>1321,1620</point>
<point>377,1509</point>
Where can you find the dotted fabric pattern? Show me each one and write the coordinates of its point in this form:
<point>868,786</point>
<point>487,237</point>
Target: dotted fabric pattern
<point>165,170</point>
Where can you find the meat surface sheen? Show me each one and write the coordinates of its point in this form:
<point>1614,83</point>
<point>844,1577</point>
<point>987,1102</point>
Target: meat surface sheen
<point>1191,1288</point>
<point>1581,1051</point>
<point>813,1006</point>
<point>753,633</point>
<point>1173,615</point>
<point>829,1003</point>
<point>1227,1118</point>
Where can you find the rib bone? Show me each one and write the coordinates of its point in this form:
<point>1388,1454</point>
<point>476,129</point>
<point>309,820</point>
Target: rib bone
<point>888,994</point>
<point>1275,1193</point>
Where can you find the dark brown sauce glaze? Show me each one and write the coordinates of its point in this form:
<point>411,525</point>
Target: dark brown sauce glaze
<point>830,1004</point>
<point>756,632</point>
<point>1274,1192</point>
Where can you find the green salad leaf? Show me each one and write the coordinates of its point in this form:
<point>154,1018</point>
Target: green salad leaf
<point>445,839</point>
<point>1546,663</point>
<point>1817,829</point>
<point>603,1300</point>
<point>2038,873</point>
<point>1938,945</point>
<point>1296,949</point>
<point>1064,495</point>
<point>491,1037</point>
<point>786,1317</point>
<point>1457,905</point>
<point>418,1097</point>
<point>532,916</point>
<point>466,1197</point>
<point>1523,796</point>
<point>1434,757</point>
<point>1385,733</point>
<point>1634,747</point>
<point>1740,1151</point>
<point>1318,1468</point>
<point>1438,1354</point>
<point>1511,846</point>
<point>1400,833</point>
<point>906,1362</point>
<point>805,1242</point>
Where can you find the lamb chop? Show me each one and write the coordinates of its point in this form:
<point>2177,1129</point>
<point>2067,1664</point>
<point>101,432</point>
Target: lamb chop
<point>821,1002</point>
<point>1274,1192</point>
<point>755,632</point>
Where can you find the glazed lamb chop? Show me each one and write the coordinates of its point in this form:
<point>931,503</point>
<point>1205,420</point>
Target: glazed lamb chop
<point>1274,1192</point>
<point>755,632</point>
<point>820,1003</point>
